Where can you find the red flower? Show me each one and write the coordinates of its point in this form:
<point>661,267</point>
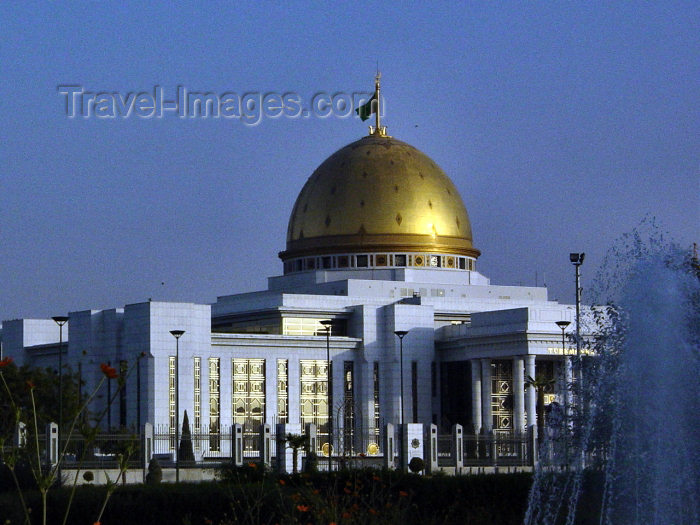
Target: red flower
<point>109,371</point>
<point>303,508</point>
<point>6,362</point>
<point>282,482</point>
<point>403,493</point>
<point>29,384</point>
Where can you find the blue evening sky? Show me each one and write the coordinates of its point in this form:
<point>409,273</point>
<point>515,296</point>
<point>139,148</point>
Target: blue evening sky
<point>562,124</point>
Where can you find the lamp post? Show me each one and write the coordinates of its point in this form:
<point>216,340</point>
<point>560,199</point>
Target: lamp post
<point>563,325</point>
<point>401,334</point>
<point>577,260</point>
<point>60,320</point>
<point>327,323</point>
<point>177,334</point>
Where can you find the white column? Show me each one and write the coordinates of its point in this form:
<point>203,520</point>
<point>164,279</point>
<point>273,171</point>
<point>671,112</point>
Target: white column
<point>476,395</point>
<point>530,394</point>
<point>518,394</point>
<point>486,413</point>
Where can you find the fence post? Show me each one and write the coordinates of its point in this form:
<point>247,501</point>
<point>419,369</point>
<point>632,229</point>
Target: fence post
<point>412,443</point>
<point>431,456</point>
<point>389,446</point>
<point>310,431</point>
<point>21,435</point>
<point>285,454</point>
<point>237,435</point>
<point>52,444</point>
<point>265,444</point>
<point>494,448</point>
<point>458,447</point>
<point>146,448</point>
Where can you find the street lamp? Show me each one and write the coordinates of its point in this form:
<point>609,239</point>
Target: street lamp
<point>60,320</point>
<point>401,334</point>
<point>577,260</point>
<point>563,325</point>
<point>327,323</point>
<point>177,334</point>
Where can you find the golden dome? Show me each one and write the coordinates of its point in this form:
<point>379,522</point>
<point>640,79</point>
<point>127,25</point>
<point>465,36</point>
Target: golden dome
<point>378,194</point>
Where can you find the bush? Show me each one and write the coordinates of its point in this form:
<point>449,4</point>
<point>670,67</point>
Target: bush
<point>311,464</point>
<point>248,473</point>
<point>416,465</point>
<point>369,496</point>
<point>155,473</point>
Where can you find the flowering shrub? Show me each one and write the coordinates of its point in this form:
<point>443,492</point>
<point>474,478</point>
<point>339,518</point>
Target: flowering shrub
<point>24,418</point>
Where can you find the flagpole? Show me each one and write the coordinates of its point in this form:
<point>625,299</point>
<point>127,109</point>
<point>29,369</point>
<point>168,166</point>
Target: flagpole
<point>378,129</point>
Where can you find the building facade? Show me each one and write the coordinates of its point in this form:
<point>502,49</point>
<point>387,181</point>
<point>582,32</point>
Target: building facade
<point>378,242</point>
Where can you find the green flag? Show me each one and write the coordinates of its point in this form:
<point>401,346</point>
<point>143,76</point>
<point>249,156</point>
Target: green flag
<point>368,108</point>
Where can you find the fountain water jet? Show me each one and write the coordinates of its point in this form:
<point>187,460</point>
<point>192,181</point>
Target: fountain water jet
<point>638,424</point>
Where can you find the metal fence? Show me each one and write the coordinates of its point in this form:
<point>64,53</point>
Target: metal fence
<point>357,449</point>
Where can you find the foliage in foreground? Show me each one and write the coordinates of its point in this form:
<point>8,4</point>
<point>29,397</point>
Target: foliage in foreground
<point>257,497</point>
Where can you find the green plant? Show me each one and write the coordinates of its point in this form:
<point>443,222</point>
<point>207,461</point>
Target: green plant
<point>185,452</point>
<point>155,473</point>
<point>311,464</point>
<point>416,465</point>
<point>296,441</point>
<point>46,476</point>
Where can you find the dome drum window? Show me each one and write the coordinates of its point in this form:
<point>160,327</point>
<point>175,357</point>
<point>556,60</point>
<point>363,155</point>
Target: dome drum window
<point>445,262</point>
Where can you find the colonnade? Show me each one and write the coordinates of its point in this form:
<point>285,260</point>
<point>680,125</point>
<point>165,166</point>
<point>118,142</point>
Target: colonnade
<point>524,399</point>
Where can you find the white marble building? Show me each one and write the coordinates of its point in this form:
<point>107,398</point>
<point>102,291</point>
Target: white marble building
<point>378,241</point>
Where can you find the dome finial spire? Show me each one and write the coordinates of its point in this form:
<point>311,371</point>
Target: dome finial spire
<point>378,129</point>
<point>373,106</point>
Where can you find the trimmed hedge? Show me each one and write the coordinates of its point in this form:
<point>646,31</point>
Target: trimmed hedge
<point>366,496</point>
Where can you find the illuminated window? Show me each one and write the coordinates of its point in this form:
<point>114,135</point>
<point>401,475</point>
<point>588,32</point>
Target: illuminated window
<point>214,404</point>
<point>282,391</point>
<point>348,407</point>
<point>312,326</point>
<point>171,399</point>
<point>197,398</point>
<point>248,407</point>
<point>315,397</point>
<point>377,425</point>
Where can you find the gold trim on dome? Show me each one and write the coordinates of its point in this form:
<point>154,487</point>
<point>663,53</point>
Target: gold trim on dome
<point>378,194</point>
<point>378,243</point>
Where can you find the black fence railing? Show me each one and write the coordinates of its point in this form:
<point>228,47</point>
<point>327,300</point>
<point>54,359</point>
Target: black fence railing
<point>360,448</point>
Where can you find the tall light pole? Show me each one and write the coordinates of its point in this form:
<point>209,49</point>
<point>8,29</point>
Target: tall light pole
<point>60,320</point>
<point>327,323</point>
<point>177,334</point>
<point>401,334</point>
<point>577,260</point>
<point>563,325</point>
